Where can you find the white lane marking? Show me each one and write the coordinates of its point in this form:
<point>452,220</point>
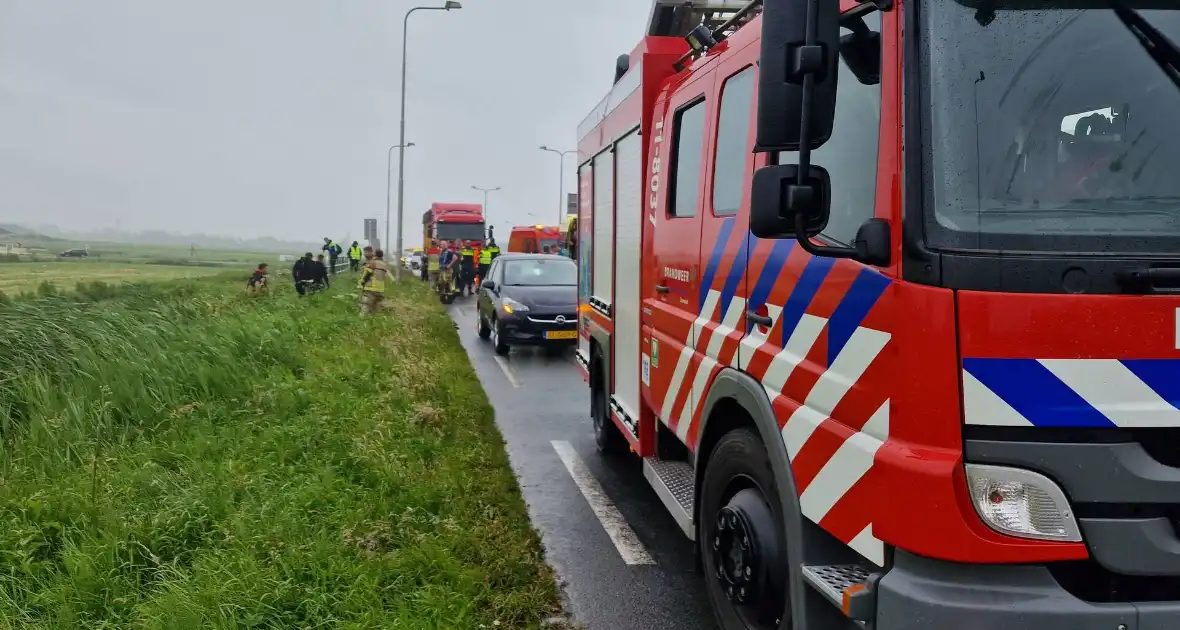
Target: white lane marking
<point>503,363</point>
<point>628,545</point>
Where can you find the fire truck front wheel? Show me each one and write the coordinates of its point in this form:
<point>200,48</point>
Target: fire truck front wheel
<point>742,545</point>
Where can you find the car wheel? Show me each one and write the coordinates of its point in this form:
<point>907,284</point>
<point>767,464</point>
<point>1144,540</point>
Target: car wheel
<point>606,435</point>
<point>498,338</point>
<point>742,545</point>
<point>482,325</point>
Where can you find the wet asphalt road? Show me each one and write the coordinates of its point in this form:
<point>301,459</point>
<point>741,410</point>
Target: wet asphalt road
<point>540,399</point>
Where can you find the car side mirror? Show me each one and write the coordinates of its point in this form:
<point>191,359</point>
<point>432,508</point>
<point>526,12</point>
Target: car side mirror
<point>797,74</point>
<point>781,207</point>
<point>489,285</point>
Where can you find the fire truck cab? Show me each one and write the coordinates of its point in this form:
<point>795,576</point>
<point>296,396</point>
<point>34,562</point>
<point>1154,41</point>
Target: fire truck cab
<point>451,223</point>
<point>533,239</point>
<point>886,296</point>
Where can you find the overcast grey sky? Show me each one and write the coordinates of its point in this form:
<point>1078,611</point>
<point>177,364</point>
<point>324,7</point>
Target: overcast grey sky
<point>272,117</point>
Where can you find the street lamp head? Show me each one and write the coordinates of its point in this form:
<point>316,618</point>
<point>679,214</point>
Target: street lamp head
<point>409,144</point>
<point>451,4</point>
<point>544,148</point>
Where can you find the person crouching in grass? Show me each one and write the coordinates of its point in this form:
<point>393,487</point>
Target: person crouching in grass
<point>257,284</point>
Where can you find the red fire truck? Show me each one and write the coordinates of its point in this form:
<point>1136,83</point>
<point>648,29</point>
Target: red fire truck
<point>534,238</point>
<point>886,296</point>
<point>451,222</point>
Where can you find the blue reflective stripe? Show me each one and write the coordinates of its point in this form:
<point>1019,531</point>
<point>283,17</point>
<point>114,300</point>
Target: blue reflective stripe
<point>1161,375</point>
<point>805,289</point>
<point>866,289</point>
<point>775,262</point>
<point>737,271</point>
<point>714,261</point>
<point>1035,393</point>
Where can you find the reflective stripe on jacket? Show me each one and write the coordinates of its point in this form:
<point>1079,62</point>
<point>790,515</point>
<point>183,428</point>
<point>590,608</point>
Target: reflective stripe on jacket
<point>485,257</point>
<point>374,278</point>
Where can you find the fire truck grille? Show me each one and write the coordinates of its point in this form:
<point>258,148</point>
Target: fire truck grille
<point>1124,488</point>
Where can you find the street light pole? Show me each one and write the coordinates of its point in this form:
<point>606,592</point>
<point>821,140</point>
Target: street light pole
<point>485,192</point>
<point>401,152</point>
<point>560,181</point>
<point>388,174</point>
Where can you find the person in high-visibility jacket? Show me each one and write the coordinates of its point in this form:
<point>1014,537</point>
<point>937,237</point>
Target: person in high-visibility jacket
<point>485,261</point>
<point>333,250</point>
<point>354,257</point>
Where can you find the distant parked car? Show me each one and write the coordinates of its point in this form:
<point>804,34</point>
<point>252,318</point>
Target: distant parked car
<point>74,253</point>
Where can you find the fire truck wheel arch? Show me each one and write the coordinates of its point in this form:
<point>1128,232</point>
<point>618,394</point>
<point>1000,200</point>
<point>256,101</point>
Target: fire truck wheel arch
<point>731,387</point>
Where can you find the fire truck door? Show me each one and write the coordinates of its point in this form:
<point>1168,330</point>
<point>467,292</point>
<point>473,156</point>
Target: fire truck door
<point>673,305</point>
<point>724,243</point>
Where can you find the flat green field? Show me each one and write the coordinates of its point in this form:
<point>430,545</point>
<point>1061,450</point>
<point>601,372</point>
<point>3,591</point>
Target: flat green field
<point>130,253</point>
<point>65,275</point>
<point>179,455</point>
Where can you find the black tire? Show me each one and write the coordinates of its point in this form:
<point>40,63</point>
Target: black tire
<point>482,325</point>
<point>498,338</point>
<point>606,435</point>
<point>740,534</point>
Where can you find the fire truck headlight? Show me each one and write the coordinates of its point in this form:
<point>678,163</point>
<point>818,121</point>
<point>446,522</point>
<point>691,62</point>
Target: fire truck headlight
<point>1021,503</point>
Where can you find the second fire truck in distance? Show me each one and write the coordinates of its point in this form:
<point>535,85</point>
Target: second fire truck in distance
<point>887,303</point>
<point>533,239</point>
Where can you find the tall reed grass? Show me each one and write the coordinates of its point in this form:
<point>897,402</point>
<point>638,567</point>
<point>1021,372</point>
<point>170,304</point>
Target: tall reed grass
<point>181,456</point>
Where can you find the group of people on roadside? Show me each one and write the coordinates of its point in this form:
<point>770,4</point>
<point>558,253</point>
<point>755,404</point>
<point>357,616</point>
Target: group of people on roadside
<point>312,274</point>
<point>467,261</point>
<point>334,252</point>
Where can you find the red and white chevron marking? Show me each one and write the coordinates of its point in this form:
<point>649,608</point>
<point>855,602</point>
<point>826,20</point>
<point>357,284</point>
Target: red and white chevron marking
<point>832,460</point>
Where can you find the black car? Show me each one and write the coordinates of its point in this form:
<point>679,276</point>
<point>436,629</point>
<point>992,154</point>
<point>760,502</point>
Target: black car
<point>529,299</point>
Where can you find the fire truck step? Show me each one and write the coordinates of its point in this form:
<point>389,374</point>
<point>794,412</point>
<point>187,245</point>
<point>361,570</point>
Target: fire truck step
<point>833,581</point>
<point>673,482</point>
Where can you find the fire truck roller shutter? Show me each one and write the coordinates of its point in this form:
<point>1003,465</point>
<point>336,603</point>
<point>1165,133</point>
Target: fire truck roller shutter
<point>629,223</point>
<point>604,227</point>
<point>585,241</point>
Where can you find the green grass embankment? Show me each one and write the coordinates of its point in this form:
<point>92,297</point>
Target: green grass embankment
<point>181,456</point>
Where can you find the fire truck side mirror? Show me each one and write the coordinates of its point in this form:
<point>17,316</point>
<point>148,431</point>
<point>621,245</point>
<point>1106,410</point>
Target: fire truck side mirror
<point>797,75</point>
<point>779,206</point>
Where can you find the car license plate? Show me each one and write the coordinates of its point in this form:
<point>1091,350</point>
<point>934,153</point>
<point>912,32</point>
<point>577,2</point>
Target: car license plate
<point>561,334</point>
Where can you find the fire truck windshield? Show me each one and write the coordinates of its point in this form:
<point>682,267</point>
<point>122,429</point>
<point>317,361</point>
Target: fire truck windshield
<point>1052,128</point>
<point>459,231</point>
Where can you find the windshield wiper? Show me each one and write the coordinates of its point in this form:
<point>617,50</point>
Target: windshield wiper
<point>1162,50</point>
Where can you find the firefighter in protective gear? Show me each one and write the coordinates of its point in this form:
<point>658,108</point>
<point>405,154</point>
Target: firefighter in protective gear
<point>434,262</point>
<point>466,268</point>
<point>373,283</point>
<point>448,261</point>
<point>354,257</point>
